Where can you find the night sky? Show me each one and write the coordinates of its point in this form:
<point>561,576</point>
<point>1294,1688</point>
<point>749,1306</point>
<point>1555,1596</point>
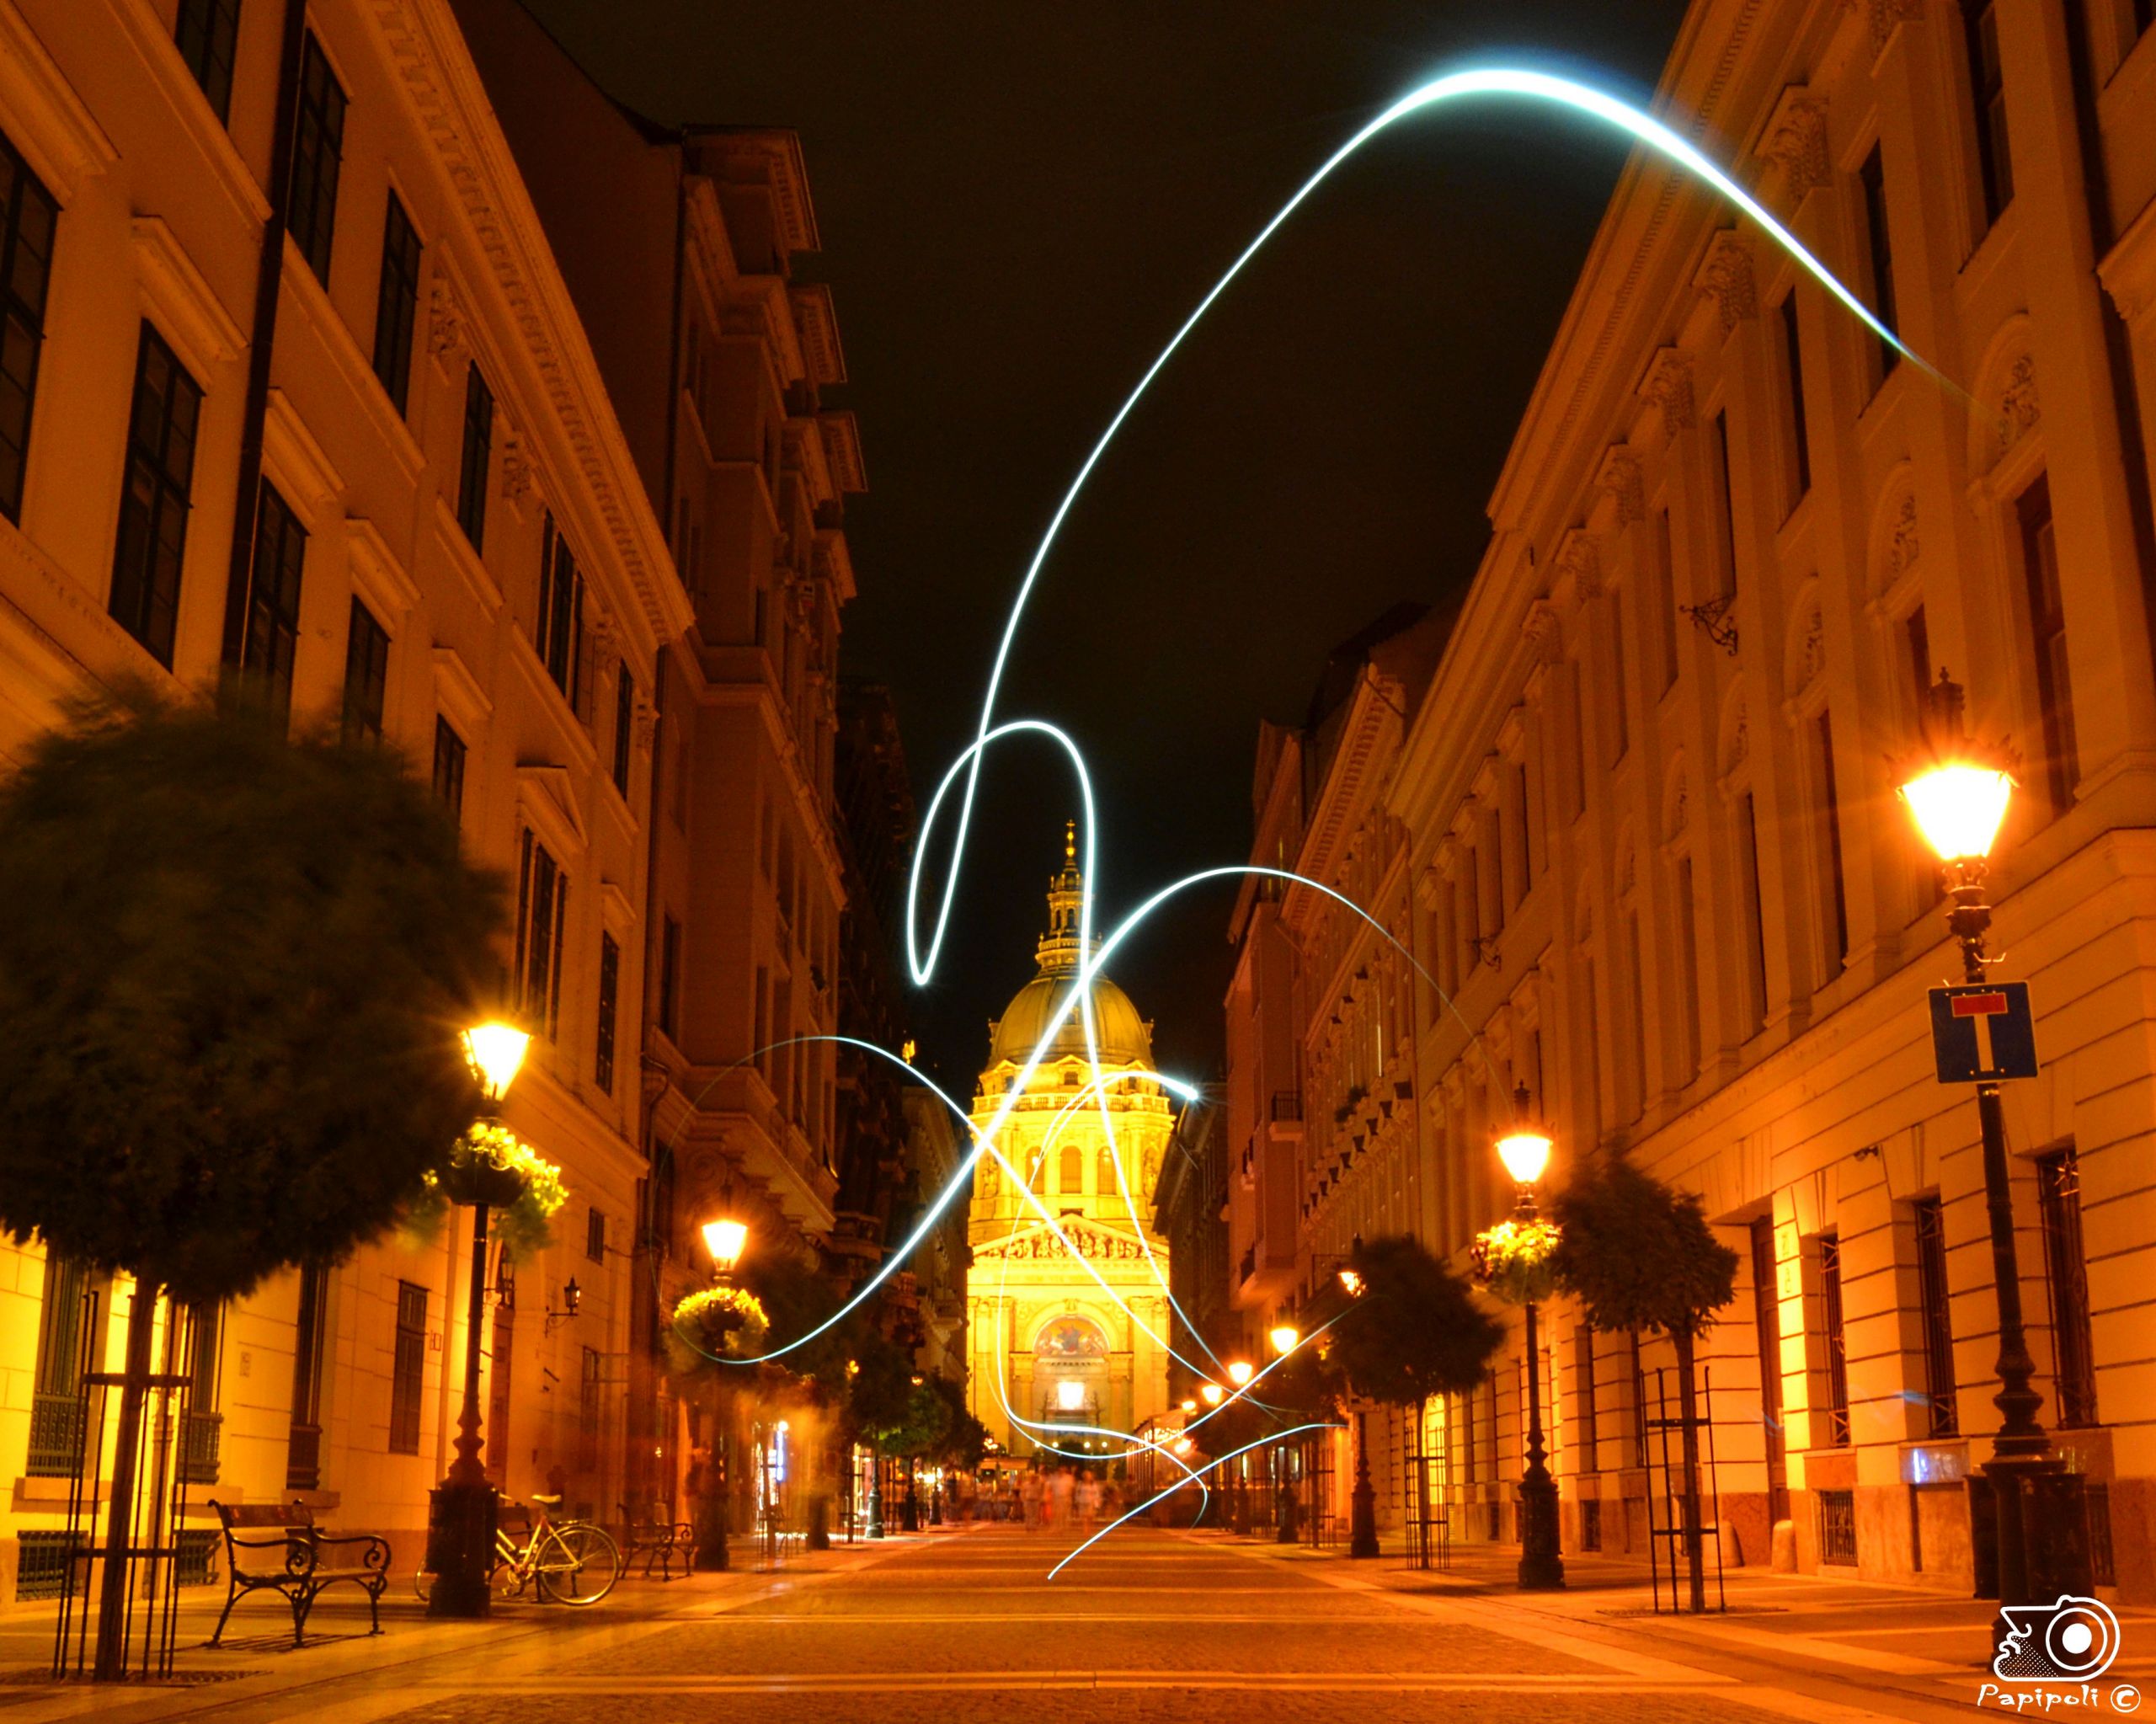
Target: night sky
<point>1019,203</point>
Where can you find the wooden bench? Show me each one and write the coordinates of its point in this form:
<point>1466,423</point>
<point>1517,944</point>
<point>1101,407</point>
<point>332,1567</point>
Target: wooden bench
<point>656,1538</point>
<point>276,1547</point>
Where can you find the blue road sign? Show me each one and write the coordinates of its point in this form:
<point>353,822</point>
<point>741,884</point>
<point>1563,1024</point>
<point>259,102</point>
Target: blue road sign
<point>1983,1033</point>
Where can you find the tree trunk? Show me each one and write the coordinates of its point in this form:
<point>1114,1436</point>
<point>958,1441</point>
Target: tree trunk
<point>120,1524</point>
<point>1688,1408</point>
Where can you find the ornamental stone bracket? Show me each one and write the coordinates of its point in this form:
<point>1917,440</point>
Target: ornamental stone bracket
<point>1794,141</point>
<point>1578,558</point>
<point>1544,632</point>
<point>1883,16</point>
<point>445,319</point>
<point>1620,477</point>
<point>1667,385</point>
<point>1725,276</point>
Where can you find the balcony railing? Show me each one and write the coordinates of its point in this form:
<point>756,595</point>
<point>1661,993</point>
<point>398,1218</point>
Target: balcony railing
<point>1287,1104</point>
<point>56,1436</point>
<point>200,1436</point>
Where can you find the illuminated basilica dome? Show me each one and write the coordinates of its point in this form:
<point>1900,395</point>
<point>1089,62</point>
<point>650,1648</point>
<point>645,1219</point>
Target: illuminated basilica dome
<point>1124,1039</point>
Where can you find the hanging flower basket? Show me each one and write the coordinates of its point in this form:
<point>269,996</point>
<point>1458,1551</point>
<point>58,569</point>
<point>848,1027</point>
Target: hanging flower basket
<point>1517,1260</point>
<point>490,1165</point>
<point>719,1323</point>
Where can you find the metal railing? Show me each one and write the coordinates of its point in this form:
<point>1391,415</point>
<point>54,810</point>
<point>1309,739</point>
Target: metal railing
<point>201,1436</point>
<point>56,1436</point>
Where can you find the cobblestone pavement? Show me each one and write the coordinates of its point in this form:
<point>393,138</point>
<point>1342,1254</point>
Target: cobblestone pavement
<point>945,1627</point>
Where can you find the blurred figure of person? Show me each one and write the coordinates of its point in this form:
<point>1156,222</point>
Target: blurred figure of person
<point>1030,1502</point>
<point>1061,1487</point>
<point>1089,1503</point>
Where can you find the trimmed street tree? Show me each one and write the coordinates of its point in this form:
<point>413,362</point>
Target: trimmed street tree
<point>1638,1255</point>
<point>233,969</point>
<point>1414,1330</point>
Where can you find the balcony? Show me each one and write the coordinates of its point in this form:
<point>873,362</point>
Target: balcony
<point>1288,1105</point>
<point>56,1436</point>
<point>201,1434</point>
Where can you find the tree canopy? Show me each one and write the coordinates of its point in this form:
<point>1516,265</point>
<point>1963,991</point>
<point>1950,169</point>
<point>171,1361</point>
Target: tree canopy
<point>1415,1332</point>
<point>1639,1255</point>
<point>233,966</point>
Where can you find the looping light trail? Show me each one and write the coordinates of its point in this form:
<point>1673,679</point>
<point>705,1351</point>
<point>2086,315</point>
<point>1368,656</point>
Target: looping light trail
<point>1467,84</point>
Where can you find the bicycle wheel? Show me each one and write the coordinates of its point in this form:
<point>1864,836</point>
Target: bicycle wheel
<point>422,1583</point>
<point>578,1564</point>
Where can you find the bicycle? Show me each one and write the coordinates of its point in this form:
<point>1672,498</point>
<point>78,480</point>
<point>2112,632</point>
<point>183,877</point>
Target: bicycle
<point>572,1561</point>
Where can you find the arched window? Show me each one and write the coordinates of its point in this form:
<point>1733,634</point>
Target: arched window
<point>1074,1170</point>
<point>1040,1173</point>
<point>1104,1176</point>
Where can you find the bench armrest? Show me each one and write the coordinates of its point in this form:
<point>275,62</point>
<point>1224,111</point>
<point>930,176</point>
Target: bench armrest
<point>376,1554</point>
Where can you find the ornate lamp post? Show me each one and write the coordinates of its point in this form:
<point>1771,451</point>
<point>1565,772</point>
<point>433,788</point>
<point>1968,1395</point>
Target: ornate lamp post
<point>2030,1530</point>
<point>461,1530</point>
<point>1285,1339</point>
<point>1525,1151</point>
<point>725,1239</point>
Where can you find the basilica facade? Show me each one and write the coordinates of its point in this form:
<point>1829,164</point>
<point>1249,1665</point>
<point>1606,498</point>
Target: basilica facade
<point>1067,1288</point>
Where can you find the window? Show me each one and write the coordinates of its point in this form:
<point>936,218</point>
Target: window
<point>2047,635</point>
<point>397,304</point>
<point>1987,95</point>
<point>449,768</point>
<point>543,893</point>
<point>303,1448</point>
<point>594,1235</point>
<point>1635,960</point>
<point>407,1373</point>
<point>1834,1340</point>
<point>474,463</point>
<point>1526,829</point>
<point>28,219</point>
<point>587,1414</point>
<point>1639,1401</point>
<point>1688,958</point>
<point>1755,926</point>
<point>1583,1374</point>
<point>1072,1180</point>
<point>1724,503</point>
<point>1104,1179</point>
<point>625,725</point>
<point>200,1425</point>
<point>63,1325</point>
<point>1792,358</point>
<point>366,674</point>
<point>206,31</point>
<point>670,990</point>
<point>2066,1272</point>
<point>1837,1528</point>
<point>560,611</point>
<point>1916,647</point>
<point>1879,245</point>
<point>316,145</point>
<point>1833,908</point>
<point>1938,1325</point>
<point>262,631</point>
<point>610,989</point>
<point>1663,594</point>
<point>154,497</point>
<point>1766,1331</point>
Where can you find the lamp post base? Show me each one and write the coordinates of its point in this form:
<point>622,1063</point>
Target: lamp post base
<point>461,1547</point>
<point>1541,1569</point>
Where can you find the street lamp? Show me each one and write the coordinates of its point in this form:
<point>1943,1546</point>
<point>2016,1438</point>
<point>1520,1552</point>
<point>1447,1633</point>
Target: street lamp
<point>726,1238</point>
<point>461,1532</point>
<point>1284,1336</point>
<point>1525,1151</point>
<point>2030,1533</point>
<point>1213,1393</point>
<point>1239,1372</point>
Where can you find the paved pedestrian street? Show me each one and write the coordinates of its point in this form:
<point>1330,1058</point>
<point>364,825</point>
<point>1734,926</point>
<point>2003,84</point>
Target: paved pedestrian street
<point>1152,1625</point>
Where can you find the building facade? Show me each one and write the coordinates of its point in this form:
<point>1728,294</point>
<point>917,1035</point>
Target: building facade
<point>1655,859</point>
<point>1190,1210</point>
<point>678,244</point>
<point>446,545</point>
<point>1320,1115</point>
<point>1074,1330</point>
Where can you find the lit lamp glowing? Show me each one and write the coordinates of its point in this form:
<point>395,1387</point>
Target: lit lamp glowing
<point>1070,1395</point>
<point>1284,1338</point>
<point>725,1239</point>
<point>1190,1406</point>
<point>496,1052</point>
<point>1213,1393</point>
<point>464,1517</point>
<point>1239,1372</point>
<point>1524,1149</point>
<point>1351,1283</point>
<point>1958,793</point>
